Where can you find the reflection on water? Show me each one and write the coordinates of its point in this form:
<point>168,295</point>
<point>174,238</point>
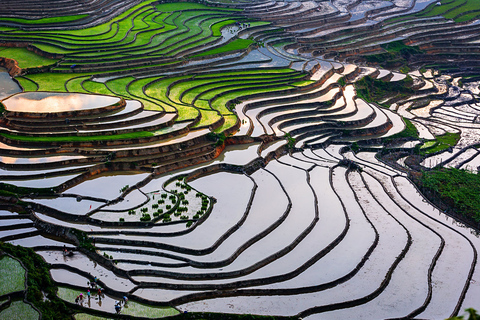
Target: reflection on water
<point>32,160</point>
<point>7,85</point>
<point>51,102</point>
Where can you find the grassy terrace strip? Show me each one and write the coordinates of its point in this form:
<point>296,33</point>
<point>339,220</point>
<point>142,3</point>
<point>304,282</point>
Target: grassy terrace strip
<point>458,188</point>
<point>237,44</point>
<point>458,10</point>
<point>12,275</point>
<point>51,81</point>
<point>441,143</point>
<point>138,32</point>
<point>25,58</point>
<point>134,308</point>
<point>19,310</point>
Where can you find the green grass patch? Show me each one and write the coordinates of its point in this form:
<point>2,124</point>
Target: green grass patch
<point>75,84</point>
<point>447,10</point>
<point>19,310</point>
<point>444,142</point>
<point>428,144</point>
<point>46,20</point>
<point>140,310</point>
<point>96,87</point>
<point>302,83</point>
<point>237,44</point>
<point>27,84</point>
<point>409,132</point>
<point>458,188</point>
<point>208,118</point>
<point>158,90</point>
<point>12,275</point>
<point>68,294</point>
<point>125,136</point>
<point>217,27</point>
<point>230,121</point>
<point>52,81</point>
<point>132,308</point>
<point>25,58</point>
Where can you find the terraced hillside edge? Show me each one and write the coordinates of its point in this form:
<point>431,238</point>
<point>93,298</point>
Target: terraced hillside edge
<point>230,159</point>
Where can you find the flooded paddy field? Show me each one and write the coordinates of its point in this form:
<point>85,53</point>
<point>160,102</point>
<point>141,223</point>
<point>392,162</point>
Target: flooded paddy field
<point>238,157</point>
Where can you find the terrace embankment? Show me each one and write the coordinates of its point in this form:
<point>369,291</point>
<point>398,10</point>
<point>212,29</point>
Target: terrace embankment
<point>11,66</point>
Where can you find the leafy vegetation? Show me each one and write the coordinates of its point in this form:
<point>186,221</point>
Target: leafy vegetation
<point>409,132</point>
<point>290,141</point>
<point>472,315</point>
<point>218,138</point>
<point>84,240</point>
<point>396,56</point>
<point>374,90</point>
<point>458,188</point>
<point>12,190</point>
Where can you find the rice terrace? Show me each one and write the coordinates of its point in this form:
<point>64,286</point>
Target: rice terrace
<point>239,159</point>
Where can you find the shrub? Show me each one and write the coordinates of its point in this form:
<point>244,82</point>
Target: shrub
<point>145,217</point>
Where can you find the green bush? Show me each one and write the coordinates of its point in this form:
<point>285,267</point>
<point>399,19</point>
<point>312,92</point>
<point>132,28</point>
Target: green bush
<point>145,217</point>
